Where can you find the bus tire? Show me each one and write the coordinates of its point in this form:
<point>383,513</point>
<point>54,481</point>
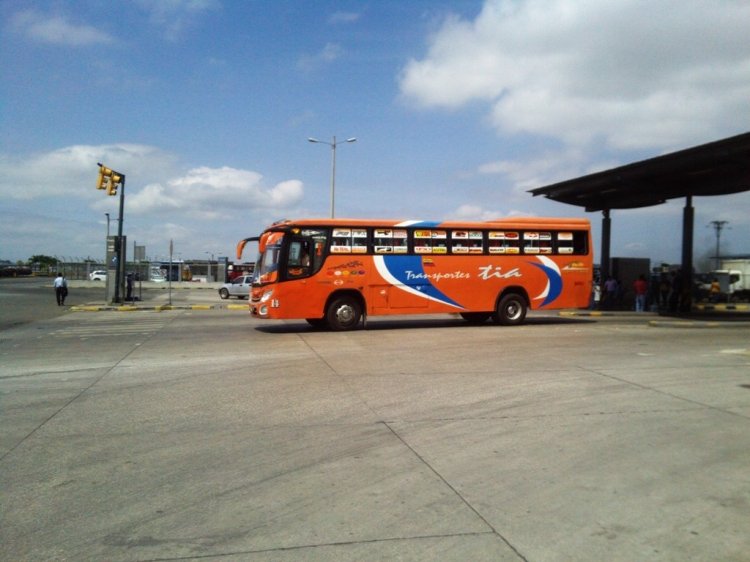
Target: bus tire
<point>511,310</point>
<point>476,317</point>
<point>343,313</point>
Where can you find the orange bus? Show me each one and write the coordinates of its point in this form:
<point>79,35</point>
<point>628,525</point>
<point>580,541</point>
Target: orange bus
<point>336,272</point>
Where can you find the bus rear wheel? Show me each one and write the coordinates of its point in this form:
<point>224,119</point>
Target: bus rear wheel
<point>511,310</point>
<point>344,313</point>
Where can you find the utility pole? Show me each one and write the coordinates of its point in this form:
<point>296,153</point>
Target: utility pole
<point>718,227</point>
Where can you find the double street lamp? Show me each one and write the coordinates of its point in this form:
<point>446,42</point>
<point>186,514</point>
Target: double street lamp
<point>333,144</point>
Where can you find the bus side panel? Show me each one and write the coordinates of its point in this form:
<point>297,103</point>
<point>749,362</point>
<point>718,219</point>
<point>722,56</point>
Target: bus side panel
<point>473,283</point>
<point>437,284</point>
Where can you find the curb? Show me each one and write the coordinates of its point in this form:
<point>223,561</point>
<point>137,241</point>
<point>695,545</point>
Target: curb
<point>157,308</point>
<point>723,307</point>
<point>606,313</point>
<point>687,324</point>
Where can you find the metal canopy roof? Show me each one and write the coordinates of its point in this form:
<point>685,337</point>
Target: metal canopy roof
<point>717,168</point>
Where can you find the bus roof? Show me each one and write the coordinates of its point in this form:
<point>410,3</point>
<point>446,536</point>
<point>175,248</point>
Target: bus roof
<point>508,222</point>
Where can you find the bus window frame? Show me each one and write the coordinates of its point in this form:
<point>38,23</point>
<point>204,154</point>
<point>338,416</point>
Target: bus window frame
<point>579,244</point>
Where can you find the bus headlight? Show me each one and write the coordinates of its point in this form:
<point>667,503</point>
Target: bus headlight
<point>266,296</point>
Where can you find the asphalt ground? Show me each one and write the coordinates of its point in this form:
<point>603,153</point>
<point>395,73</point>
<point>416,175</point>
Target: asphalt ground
<point>203,434</point>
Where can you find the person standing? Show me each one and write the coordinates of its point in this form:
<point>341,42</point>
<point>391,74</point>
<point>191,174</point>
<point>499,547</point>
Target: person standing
<point>715,290</point>
<point>640,287</point>
<point>61,289</point>
<point>610,293</point>
<point>129,283</point>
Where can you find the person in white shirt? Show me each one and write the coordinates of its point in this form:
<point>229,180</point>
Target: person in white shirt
<point>61,289</point>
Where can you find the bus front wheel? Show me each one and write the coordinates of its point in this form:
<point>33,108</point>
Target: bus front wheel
<point>344,313</point>
<point>511,310</point>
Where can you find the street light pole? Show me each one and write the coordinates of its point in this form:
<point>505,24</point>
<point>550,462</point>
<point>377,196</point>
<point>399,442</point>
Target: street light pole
<point>208,277</point>
<point>333,144</point>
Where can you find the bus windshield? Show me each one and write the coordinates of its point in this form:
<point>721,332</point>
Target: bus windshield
<point>268,263</point>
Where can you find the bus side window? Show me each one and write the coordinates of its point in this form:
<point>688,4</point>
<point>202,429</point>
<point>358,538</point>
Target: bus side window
<point>572,243</point>
<point>467,242</point>
<point>298,262</point>
<point>580,243</point>
<point>422,241</point>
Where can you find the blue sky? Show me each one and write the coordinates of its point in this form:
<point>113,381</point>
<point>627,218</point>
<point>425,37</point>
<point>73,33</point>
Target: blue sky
<point>459,108</point>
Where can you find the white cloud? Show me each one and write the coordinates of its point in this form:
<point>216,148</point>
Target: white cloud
<point>328,54</point>
<point>212,192</point>
<point>470,212</point>
<point>72,171</point>
<point>176,16</point>
<point>343,18</point>
<point>201,209</point>
<point>57,30</point>
<point>631,73</point>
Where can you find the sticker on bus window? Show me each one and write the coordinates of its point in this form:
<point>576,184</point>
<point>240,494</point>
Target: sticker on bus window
<point>460,235</point>
<point>399,241</point>
<point>504,235</point>
<point>422,234</point>
<point>565,236</point>
<point>359,241</point>
<point>531,236</point>
<point>341,241</point>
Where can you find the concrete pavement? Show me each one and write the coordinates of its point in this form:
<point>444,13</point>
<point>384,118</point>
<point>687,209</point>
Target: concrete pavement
<point>177,435</point>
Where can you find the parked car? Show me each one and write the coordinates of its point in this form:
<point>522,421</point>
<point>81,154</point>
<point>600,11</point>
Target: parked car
<point>99,275</point>
<point>239,287</point>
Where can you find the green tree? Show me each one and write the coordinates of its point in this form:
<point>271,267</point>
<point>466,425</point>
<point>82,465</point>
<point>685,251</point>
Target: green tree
<point>44,262</point>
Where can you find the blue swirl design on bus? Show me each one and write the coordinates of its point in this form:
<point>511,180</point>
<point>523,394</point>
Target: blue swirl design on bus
<point>407,273</point>
<point>554,280</point>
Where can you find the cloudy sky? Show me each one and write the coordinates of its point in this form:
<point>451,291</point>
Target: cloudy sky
<point>459,107</point>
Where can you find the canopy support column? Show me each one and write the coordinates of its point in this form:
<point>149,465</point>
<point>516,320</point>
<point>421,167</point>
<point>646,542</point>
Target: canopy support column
<point>606,238</point>
<point>688,218</point>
